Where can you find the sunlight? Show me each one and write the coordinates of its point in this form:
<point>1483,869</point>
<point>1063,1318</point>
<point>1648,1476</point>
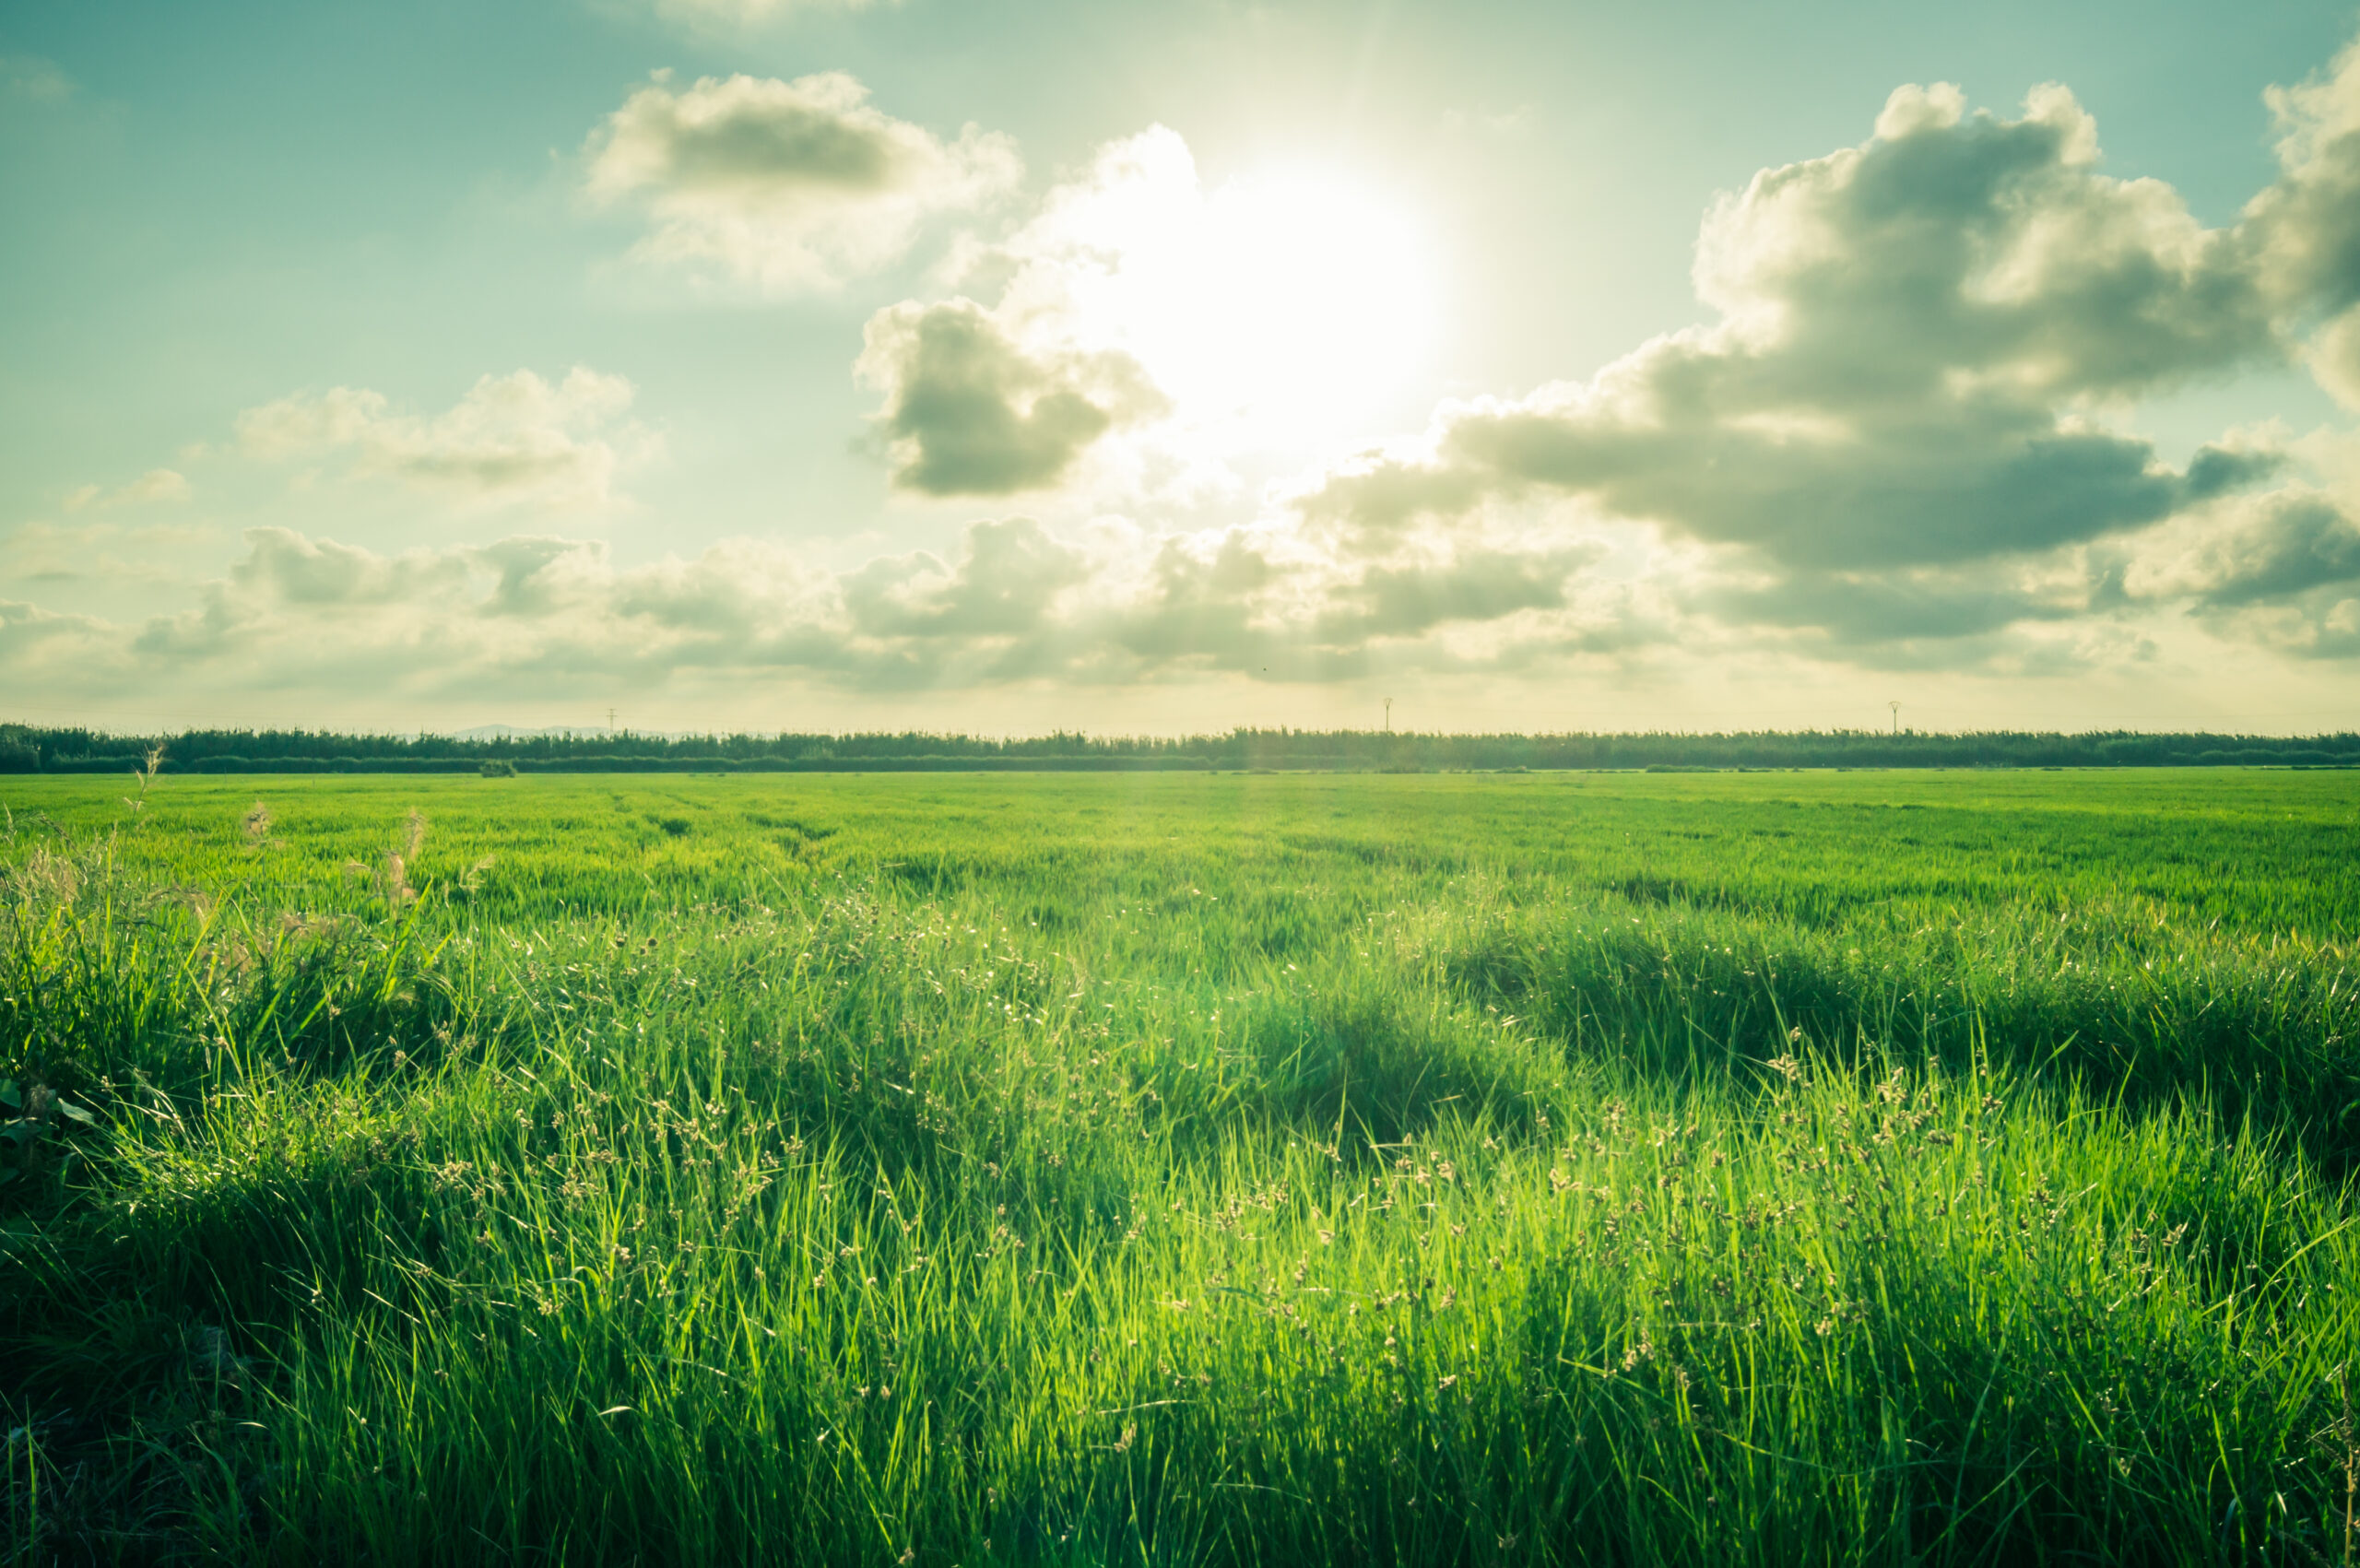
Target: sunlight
<point>1299,301</point>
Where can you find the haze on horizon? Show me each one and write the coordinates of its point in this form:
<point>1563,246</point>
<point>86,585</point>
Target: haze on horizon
<point>765,364</point>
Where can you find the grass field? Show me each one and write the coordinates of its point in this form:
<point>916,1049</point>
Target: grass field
<point>1721,1169</point>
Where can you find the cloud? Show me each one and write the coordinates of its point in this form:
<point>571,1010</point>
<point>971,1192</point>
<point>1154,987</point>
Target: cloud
<point>2307,225</point>
<point>156,485</point>
<point>1476,585</point>
<point>1014,602</point>
<point>29,78</point>
<point>1011,578</point>
<point>1895,441</point>
<point>45,651</point>
<point>968,412</point>
<point>2281,570</point>
<point>1870,615</point>
<point>514,438</point>
<point>112,552</point>
<point>1913,335</point>
<point>2298,544</point>
<point>790,185</point>
<point>1900,442</point>
<point>1220,333</point>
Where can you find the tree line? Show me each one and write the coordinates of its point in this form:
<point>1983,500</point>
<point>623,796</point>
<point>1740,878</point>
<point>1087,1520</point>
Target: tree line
<point>25,748</point>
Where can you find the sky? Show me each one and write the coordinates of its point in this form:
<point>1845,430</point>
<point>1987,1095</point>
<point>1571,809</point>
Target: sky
<point>1162,368</point>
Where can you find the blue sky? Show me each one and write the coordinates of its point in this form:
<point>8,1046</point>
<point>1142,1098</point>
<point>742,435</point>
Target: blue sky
<point>1165,367</point>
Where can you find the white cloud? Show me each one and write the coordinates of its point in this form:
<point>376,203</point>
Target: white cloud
<point>791,185</point>
<point>1015,603</point>
<point>43,650</point>
<point>970,412</point>
<point>1173,334</point>
<point>1913,335</point>
<point>514,438</point>
<point>1899,443</point>
<point>157,486</point>
<point>2307,225</point>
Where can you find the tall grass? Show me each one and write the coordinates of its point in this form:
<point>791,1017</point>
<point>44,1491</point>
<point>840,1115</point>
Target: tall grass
<point>1179,1171</point>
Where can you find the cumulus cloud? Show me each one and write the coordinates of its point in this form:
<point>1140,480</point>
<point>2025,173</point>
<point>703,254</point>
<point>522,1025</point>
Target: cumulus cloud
<point>969,412</point>
<point>1901,442</point>
<point>1913,333</point>
<point>2307,225</point>
<point>1015,602</point>
<point>1221,330</point>
<point>514,438</point>
<point>1878,615</point>
<point>1901,434</point>
<point>2297,543</point>
<point>2281,569</point>
<point>788,184</point>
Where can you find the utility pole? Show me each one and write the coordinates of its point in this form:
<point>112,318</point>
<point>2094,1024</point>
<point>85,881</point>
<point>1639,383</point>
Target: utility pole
<point>610,721</point>
<point>1897,716</point>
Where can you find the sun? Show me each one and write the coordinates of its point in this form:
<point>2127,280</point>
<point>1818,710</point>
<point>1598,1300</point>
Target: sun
<point>1290,304</point>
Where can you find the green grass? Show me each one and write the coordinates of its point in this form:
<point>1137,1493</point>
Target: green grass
<point>1522,1168</point>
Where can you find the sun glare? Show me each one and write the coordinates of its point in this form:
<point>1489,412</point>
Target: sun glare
<point>1300,303</point>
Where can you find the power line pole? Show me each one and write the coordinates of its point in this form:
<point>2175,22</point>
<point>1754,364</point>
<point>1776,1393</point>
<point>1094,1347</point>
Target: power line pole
<point>1897,716</point>
<point>610,721</point>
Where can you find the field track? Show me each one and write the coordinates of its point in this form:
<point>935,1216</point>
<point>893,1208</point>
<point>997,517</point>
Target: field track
<point>1778,1168</point>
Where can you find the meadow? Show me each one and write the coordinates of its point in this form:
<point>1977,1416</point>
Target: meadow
<point>1522,1168</point>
